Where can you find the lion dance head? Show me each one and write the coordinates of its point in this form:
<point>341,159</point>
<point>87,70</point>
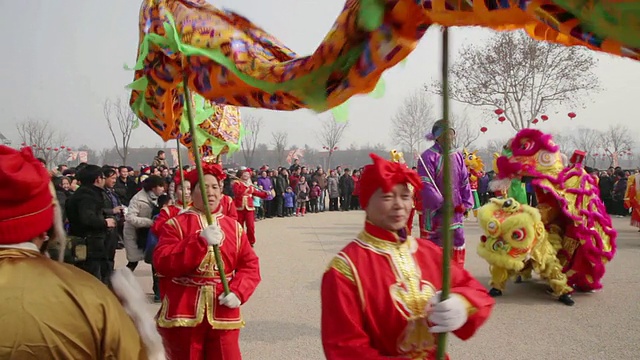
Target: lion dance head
<point>511,230</point>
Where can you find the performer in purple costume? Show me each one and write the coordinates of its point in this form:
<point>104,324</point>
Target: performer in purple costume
<point>430,171</point>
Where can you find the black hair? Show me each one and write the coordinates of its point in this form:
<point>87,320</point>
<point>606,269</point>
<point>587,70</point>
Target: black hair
<point>69,172</point>
<point>152,182</point>
<point>163,200</point>
<point>122,167</point>
<point>108,172</point>
<point>89,174</point>
<point>160,152</point>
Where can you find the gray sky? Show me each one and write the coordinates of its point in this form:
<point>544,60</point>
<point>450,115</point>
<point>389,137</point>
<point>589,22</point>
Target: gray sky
<point>63,58</point>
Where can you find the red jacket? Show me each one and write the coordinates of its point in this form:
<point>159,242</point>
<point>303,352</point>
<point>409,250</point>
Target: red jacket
<point>370,291</point>
<point>189,277</point>
<point>243,195</point>
<point>227,207</point>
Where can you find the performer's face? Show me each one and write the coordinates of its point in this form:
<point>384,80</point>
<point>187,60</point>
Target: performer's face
<point>390,211</point>
<point>187,191</point>
<point>214,192</point>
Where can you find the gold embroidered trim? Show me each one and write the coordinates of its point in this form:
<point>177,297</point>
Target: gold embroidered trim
<point>340,265</point>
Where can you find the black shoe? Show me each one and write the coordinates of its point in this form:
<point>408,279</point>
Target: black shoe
<point>566,299</point>
<point>495,292</point>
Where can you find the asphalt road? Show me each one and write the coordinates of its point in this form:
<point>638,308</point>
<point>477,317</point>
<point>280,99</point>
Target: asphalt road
<point>283,316</point>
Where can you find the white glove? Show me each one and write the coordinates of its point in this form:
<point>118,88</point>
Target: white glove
<point>231,301</point>
<point>448,315</point>
<point>213,234</point>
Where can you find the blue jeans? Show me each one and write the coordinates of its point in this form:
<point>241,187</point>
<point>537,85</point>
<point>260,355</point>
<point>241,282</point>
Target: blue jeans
<point>321,200</point>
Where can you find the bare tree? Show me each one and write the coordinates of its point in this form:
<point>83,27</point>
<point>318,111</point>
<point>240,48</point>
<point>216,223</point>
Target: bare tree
<point>466,133</point>
<point>118,115</point>
<point>412,121</point>
<point>565,143</point>
<point>520,75</point>
<point>46,142</point>
<point>252,127</point>
<point>280,140</point>
<point>589,140</point>
<point>616,140</point>
<point>330,135</point>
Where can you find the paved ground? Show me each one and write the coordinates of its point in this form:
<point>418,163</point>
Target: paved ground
<point>283,316</point>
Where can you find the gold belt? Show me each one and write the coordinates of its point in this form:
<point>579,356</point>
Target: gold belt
<point>199,280</point>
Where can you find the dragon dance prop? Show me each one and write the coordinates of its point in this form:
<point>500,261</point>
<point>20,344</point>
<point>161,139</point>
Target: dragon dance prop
<point>569,202</point>
<point>229,60</point>
<point>515,243</point>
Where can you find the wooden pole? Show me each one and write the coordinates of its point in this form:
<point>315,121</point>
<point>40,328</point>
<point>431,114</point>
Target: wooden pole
<point>203,190</point>
<point>446,191</point>
<point>184,203</point>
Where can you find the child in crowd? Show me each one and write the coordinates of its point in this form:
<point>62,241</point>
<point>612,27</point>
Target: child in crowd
<point>302,196</point>
<point>257,203</point>
<point>289,201</point>
<point>314,196</point>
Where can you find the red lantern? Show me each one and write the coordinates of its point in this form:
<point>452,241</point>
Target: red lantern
<point>62,147</point>
<point>68,149</point>
<point>571,115</point>
<point>55,149</point>
<point>502,118</point>
<point>483,129</point>
<point>48,148</point>
<point>39,148</point>
<point>499,111</point>
<point>544,117</point>
<point>596,154</point>
<point>34,145</point>
<point>535,121</point>
<point>23,144</point>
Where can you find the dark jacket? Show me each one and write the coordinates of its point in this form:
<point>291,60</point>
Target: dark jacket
<point>85,212</point>
<point>346,185</point>
<point>125,190</point>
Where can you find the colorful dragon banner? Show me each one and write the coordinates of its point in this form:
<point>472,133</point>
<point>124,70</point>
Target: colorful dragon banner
<point>229,60</point>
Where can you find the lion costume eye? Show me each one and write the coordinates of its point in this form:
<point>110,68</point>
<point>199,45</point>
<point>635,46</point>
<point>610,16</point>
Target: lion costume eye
<point>518,235</point>
<point>526,145</point>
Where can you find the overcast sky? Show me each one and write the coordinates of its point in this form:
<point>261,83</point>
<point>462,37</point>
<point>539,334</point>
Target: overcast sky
<point>63,58</point>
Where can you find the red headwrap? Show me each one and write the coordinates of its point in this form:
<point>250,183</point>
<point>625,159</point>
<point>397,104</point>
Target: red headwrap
<point>384,174</point>
<point>177,180</point>
<point>207,169</point>
<point>26,197</point>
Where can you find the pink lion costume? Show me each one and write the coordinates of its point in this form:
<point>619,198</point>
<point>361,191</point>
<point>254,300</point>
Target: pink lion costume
<point>570,205</point>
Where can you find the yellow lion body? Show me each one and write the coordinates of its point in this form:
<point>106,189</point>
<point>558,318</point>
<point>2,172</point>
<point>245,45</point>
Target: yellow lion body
<point>516,242</point>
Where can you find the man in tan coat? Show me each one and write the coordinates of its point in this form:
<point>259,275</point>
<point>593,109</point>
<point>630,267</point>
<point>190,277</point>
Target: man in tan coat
<point>51,310</point>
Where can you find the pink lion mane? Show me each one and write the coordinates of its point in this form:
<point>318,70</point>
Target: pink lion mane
<point>507,168</point>
<point>540,140</point>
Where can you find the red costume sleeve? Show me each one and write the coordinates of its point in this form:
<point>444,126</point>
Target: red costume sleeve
<point>231,209</point>
<point>178,255</point>
<point>165,214</point>
<point>247,272</point>
<point>238,189</point>
<point>464,284</point>
<point>343,334</point>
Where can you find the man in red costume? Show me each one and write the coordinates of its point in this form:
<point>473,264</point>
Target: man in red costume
<point>244,191</point>
<point>380,294</point>
<point>196,319</point>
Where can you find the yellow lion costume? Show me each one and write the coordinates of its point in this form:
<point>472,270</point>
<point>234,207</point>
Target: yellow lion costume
<point>515,243</point>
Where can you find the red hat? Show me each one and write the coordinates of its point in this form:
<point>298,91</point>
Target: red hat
<point>384,174</point>
<point>177,180</point>
<point>207,169</point>
<point>26,196</point>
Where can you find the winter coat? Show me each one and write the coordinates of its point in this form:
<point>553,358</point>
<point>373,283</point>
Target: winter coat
<point>84,210</point>
<point>321,180</point>
<point>346,185</point>
<point>139,216</point>
<point>332,186</point>
<point>267,186</point>
<point>289,199</point>
<point>302,192</point>
<point>315,192</point>
<point>125,190</point>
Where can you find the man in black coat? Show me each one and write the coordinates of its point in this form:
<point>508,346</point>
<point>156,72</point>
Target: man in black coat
<point>125,186</point>
<point>86,220</point>
<point>346,186</point>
